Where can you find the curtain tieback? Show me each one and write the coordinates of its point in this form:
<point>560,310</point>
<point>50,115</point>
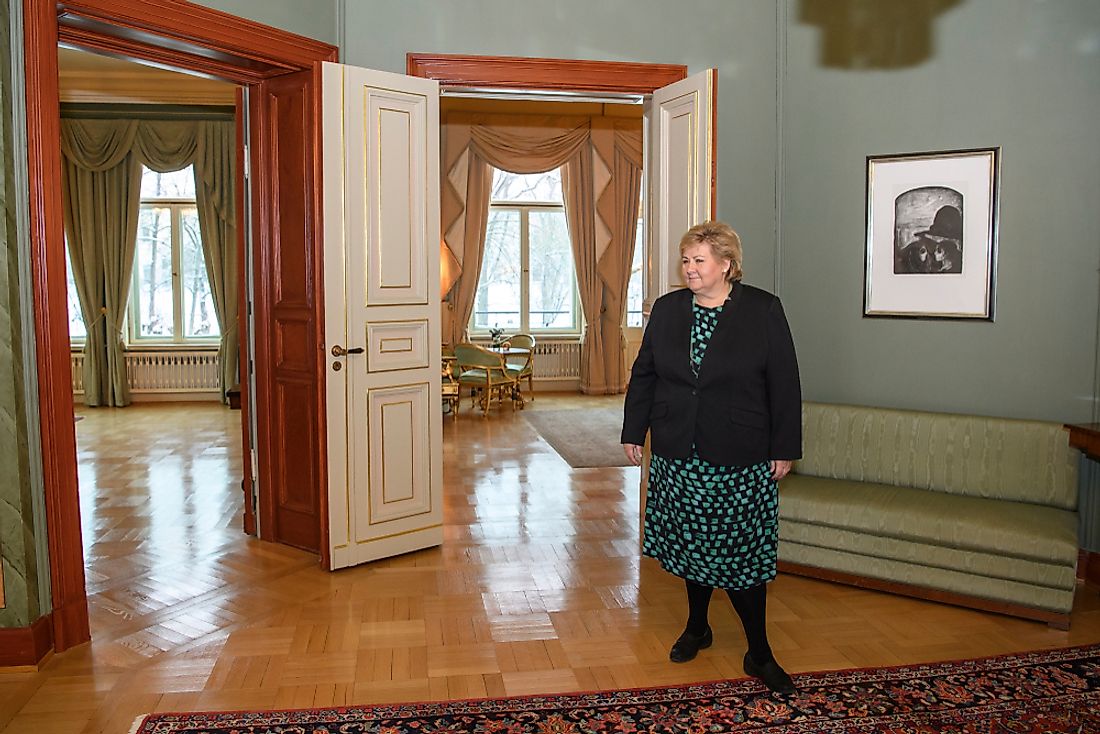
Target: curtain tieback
<point>102,317</point>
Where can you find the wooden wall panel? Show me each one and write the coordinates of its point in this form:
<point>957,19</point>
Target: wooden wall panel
<point>289,346</point>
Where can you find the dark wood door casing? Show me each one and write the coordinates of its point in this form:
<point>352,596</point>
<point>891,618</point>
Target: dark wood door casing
<point>199,39</point>
<point>290,391</point>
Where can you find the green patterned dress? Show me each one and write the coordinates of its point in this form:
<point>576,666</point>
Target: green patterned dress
<point>714,525</point>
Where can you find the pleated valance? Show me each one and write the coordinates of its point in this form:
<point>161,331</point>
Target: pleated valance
<point>601,161</point>
<point>101,192</point>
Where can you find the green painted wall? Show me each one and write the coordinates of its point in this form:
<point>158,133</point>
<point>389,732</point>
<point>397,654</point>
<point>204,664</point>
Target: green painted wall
<point>1019,74</point>
<point>313,19</point>
<point>736,36</point>
<point>808,89</point>
<point>19,555</point>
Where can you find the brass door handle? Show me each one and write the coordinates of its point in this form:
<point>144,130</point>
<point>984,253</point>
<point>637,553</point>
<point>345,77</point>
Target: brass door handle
<point>339,351</point>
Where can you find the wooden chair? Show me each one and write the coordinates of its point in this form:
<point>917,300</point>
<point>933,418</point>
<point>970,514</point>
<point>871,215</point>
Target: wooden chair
<point>451,388</point>
<point>523,366</point>
<point>486,373</point>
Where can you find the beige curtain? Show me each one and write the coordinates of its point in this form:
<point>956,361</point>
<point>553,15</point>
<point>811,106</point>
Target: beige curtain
<point>479,184</point>
<point>614,265</point>
<point>215,182</point>
<point>100,190</point>
<point>578,187</point>
<point>588,151</point>
<point>473,144</point>
<point>101,186</point>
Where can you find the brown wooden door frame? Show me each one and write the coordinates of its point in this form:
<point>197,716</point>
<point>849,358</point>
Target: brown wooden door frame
<point>572,75</point>
<point>197,39</point>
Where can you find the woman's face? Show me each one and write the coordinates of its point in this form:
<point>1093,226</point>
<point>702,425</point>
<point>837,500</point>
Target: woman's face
<point>704,272</point>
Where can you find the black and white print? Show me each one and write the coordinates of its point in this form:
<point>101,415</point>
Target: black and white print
<point>928,231</point>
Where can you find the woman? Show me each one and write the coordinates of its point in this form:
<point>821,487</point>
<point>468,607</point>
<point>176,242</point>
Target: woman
<point>716,386</point>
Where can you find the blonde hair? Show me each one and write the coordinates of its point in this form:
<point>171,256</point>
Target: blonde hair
<point>723,241</point>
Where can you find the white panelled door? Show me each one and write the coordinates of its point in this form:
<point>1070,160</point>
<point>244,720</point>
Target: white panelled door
<point>680,121</point>
<point>381,208</point>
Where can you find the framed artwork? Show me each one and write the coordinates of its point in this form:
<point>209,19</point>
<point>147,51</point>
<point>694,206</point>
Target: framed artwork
<point>932,235</point>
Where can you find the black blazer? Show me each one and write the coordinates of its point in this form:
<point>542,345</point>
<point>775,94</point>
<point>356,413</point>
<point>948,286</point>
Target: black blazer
<point>746,405</point>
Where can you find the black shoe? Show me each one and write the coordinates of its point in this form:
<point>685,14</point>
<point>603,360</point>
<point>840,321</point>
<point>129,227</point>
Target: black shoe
<point>687,646</point>
<point>774,677</point>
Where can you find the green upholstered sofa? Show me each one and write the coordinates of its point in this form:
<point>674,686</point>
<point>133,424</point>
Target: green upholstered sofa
<point>962,509</point>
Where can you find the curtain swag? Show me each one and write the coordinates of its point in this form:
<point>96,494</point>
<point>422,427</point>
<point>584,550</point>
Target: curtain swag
<point>101,195</point>
<point>601,161</point>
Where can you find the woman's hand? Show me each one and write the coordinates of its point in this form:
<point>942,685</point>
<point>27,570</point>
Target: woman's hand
<point>780,468</point>
<point>633,453</point>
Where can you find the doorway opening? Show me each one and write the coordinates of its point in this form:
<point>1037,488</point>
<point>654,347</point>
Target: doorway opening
<point>278,70</point>
<point>282,73</point>
<point>161,479</point>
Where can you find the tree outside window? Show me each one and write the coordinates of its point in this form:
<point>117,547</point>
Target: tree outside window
<point>170,299</point>
<point>528,280</point>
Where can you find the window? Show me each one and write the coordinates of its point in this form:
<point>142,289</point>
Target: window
<point>77,332</point>
<point>636,286</point>
<point>170,298</point>
<point>528,281</point>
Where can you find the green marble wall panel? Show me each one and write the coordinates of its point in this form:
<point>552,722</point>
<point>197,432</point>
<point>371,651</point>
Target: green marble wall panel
<point>18,552</point>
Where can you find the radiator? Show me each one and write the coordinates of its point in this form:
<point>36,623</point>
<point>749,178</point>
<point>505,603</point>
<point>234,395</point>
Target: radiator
<point>189,372</point>
<point>557,360</point>
<point>161,372</point>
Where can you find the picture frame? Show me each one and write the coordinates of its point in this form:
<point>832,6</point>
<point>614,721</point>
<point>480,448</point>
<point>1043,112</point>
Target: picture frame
<point>931,247</point>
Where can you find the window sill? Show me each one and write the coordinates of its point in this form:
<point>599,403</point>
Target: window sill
<point>128,348</point>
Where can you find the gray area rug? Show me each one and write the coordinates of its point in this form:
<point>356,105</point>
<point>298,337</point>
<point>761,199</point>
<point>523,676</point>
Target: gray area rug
<point>584,437</point>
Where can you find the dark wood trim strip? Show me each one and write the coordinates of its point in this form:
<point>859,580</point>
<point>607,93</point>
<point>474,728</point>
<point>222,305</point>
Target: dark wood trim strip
<point>196,31</point>
<point>22,646</point>
<point>88,39</point>
<point>453,70</point>
<point>70,606</point>
<point>243,385</point>
<point>1054,619</point>
<point>318,275</point>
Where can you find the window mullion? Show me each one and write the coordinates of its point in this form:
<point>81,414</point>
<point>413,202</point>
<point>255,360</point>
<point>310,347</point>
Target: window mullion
<point>525,272</point>
<point>177,268</point>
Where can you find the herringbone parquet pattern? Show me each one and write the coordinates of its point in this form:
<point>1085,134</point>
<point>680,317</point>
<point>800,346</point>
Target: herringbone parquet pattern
<point>538,588</point>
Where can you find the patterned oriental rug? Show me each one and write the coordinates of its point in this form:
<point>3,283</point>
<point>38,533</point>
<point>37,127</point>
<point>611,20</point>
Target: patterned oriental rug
<point>1051,692</point>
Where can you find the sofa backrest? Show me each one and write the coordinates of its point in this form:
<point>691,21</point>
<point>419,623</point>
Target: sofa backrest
<point>1018,460</point>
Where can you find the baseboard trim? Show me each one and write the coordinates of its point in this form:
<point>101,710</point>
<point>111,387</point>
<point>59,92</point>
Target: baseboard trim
<point>1054,619</point>
<point>26,646</point>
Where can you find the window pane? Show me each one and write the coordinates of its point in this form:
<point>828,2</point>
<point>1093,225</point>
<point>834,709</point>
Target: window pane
<point>153,273</point>
<point>534,187</point>
<point>199,319</point>
<point>76,323</point>
<point>175,185</point>
<point>497,302</point>
<point>634,288</point>
<point>553,280</point>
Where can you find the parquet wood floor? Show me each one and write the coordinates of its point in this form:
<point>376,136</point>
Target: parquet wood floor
<point>537,588</point>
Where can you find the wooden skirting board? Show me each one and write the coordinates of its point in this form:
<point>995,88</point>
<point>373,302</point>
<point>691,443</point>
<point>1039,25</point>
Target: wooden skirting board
<point>26,646</point>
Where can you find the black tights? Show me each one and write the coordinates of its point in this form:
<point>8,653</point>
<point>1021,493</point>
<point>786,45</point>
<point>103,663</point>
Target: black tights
<point>751,605</point>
